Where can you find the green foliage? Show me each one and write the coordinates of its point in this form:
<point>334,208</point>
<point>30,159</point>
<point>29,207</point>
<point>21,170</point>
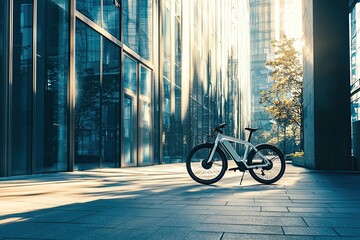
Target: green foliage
<point>284,99</point>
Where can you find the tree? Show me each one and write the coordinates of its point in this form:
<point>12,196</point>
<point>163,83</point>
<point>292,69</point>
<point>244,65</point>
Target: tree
<point>284,99</point>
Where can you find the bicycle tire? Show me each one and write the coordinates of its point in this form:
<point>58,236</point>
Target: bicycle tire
<point>198,168</point>
<point>275,172</point>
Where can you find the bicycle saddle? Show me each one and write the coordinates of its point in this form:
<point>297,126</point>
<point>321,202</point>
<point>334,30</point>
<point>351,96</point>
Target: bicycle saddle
<point>251,129</point>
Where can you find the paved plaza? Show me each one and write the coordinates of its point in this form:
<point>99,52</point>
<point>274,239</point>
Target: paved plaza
<point>162,202</point>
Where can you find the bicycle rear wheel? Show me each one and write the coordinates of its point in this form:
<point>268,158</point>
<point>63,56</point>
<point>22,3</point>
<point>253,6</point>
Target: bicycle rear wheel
<point>200,170</point>
<point>274,172</point>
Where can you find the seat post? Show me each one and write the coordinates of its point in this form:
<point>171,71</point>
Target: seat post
<point>250,133</point>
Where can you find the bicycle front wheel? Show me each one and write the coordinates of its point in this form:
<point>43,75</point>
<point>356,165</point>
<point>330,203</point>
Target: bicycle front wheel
<point>198,167</point>
<point>271,173</point>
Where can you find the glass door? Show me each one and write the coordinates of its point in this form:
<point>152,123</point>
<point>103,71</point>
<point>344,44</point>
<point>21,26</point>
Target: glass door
<point>145,117</point>
<point>137,116</point>
<point>129,115</point>
<point>110,105</point>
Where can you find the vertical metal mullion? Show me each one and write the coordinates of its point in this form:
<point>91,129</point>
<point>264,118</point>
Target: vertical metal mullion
<point>71,89</point>
<point>34,108</point>
<point>101,96</point>
<point>137,118</point>
<point>101,84</point>
<point>9,88</point>
<point>121,137</point>
<point>161,78</point>
<point>121,90</point>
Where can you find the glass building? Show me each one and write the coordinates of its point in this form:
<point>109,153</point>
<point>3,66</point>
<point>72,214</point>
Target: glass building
<point>269,20</point>
<point>94,84</point>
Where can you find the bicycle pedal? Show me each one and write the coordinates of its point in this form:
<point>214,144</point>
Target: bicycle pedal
<point>234,169</point>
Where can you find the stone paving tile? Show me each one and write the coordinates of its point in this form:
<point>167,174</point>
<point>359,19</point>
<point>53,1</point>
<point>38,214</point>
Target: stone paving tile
<point>256,220</point>
<point>332,222</point>
<point>345,210</point>
<point>58,216</point>
<point>274,209</point>
<point>307,209</point>
<point>181,221</point>
<point>336,238</point>
<point>170,233</point>
<point>309,231</point>
<point>348,231</point>
<point>236,228</point>
<point>232,236</point>
<point>43,230</point>
<point>203,236</point>
<point>117,234</point>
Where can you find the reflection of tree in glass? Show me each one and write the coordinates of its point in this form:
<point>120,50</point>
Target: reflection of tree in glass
<point>284,99</point>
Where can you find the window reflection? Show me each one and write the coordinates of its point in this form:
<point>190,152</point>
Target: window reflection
<point>22,87</point>
<point>111,16</point>
<point>130,21</point>
<point>145,128</point>
<point>130,74</point>
<point>90,8</point>
<point>110,104</point>
<point>130,114</point>
<point>145,28</point>
<point>137,26</point>
<point>129,130</point>
<point>2,86</point>
<point>145,82</point>
<point>145,114</point>
<point>51,85</point>
<point>87,103</point>
<point>166,121</point>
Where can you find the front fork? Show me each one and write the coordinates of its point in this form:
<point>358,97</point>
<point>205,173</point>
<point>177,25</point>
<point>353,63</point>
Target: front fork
<point>213,151</point>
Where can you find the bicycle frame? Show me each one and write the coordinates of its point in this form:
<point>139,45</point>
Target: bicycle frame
<point>224,140</point>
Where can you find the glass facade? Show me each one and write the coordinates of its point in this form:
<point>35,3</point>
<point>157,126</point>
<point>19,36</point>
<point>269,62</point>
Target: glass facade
<point>115,84</point>
<point>3,84</point>
<point>354,19</point>
<point>269,20</point>
<point>51,114</point>
<point>22,88</point>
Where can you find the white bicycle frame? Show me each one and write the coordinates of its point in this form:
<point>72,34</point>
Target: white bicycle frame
<point>224,140</point>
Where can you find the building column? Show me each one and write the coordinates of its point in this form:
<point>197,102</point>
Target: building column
<point>327,138</point>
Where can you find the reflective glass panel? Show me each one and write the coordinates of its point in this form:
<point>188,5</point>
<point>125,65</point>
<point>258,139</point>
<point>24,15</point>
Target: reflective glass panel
<point>22,87</point>
<point>177,136</point>
<point>145,28</point>
<point>87,102</point>
<point>129,130</point>
<point>166,34</point>
<point>130,74</point>
<point>145,131</point>
<point>145,82</point>
<point>166,120</point>
<point>90,8</point>
<point>51,85</point>
<point>130,22</point>
<point>111,16</point>
<point>3,83</point>
<point>110,104</point>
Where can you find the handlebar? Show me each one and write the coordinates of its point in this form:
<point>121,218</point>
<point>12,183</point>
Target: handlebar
<point>219,127</point>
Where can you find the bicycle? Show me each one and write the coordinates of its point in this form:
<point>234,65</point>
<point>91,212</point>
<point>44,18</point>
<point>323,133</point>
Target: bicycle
<point>207,162</point>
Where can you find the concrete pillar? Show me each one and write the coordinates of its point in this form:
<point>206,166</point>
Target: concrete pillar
<point>327,138</point>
